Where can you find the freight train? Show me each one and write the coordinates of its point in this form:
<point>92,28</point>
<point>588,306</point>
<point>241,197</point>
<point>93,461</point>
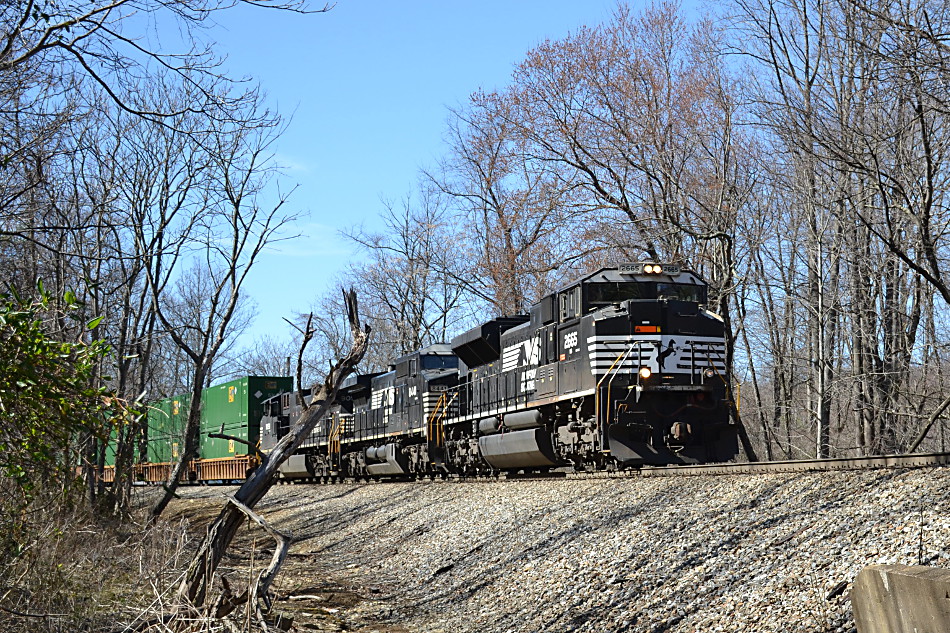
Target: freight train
<point>621,368</point>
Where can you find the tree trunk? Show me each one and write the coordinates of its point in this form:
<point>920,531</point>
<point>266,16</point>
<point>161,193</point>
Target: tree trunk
<point>189,450</point>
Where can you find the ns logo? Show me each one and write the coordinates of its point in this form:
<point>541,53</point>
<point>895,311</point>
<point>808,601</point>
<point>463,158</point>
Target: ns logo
<point>525,353</point>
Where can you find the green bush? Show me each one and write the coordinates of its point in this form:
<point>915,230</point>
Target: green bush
<point>49,392</point>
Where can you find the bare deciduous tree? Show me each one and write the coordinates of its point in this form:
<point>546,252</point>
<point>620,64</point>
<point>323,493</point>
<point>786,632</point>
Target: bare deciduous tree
<point>412,294</point>
<point>523,229</point>
<point>852,107</point>
<point>215,227</point>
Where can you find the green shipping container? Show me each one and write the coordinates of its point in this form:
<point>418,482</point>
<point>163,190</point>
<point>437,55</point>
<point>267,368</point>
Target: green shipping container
<point>235,408</point>
<point>166,427</point>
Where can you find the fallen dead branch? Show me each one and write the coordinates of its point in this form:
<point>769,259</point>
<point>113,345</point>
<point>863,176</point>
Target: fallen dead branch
<point>194,588</point>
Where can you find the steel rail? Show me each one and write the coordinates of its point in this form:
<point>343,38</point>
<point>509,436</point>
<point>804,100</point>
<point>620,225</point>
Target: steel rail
<point>919,460</point>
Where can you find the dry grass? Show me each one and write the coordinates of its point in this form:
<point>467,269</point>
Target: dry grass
<point>68,571</point>
<point>63,569</point>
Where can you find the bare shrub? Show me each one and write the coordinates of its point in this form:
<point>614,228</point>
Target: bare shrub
<point>62,569</point>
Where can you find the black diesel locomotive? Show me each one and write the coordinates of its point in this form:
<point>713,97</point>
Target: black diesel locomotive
<point>622,367</point>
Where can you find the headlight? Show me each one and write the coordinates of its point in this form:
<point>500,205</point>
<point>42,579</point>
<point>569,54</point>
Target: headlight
<point>645,372</point>
<point>652,269</point>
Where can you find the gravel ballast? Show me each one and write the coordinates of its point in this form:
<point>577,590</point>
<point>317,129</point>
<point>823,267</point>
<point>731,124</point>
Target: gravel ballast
<point>686,554</point>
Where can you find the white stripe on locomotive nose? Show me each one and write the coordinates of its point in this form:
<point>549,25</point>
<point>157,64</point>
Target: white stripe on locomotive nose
<point>689,352</point>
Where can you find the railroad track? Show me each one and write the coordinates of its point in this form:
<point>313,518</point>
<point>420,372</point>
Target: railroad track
<point>921,460</point>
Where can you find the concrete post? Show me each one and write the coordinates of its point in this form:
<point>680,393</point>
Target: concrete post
<point>901,599</point>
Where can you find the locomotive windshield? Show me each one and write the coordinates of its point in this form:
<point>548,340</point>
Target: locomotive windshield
<point>615,292</point>
<point>440,362</point>
<point>683,292</point>
<point>605,293</point>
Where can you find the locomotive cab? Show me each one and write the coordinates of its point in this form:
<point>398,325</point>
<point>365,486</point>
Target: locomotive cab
<point>274,424</point>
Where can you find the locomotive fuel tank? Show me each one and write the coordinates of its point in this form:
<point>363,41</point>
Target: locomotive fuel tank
<point>519,449</point>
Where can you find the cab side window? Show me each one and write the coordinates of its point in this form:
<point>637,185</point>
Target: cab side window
<point>569,303</point>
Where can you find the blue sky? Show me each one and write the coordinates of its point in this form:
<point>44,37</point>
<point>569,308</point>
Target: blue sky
<point>368,86</point>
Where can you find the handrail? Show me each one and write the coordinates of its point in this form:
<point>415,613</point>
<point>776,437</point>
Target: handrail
<point>333,445</point>
<point>435,429</point>
<point>603,378</point>
<point>610,383</point>
<point>474,385</point>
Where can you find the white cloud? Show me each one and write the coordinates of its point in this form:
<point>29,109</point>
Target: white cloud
<point>291,165</point>
<point>315,240</point>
